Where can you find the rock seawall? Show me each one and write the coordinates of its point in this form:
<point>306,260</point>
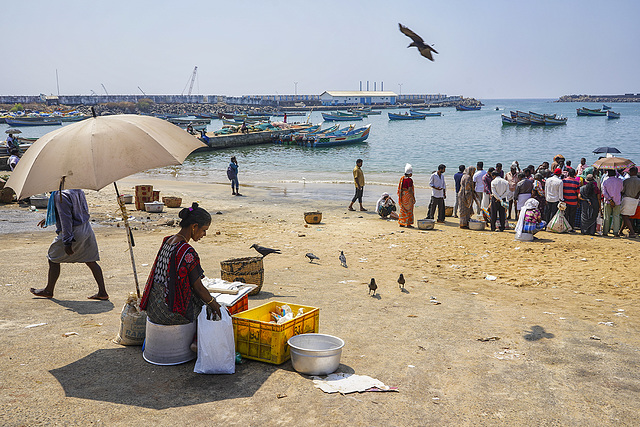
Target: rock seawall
<point>629,97</point>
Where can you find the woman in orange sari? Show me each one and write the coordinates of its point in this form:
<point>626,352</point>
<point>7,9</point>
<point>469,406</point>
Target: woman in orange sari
<point>406,198</point>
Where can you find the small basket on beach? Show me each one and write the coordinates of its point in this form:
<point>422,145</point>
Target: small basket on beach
<point>172,202</point>
<point>313,217</point>
<point>448,211</point>
<point>245,270</point>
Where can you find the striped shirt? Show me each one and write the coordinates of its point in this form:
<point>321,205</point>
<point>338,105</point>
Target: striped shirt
<point>570,189</point>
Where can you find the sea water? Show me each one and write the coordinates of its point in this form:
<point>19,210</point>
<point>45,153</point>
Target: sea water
<point>455,138</point>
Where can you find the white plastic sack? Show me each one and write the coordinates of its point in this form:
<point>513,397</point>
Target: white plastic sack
<point>559,223</point>
<point>216,347</point>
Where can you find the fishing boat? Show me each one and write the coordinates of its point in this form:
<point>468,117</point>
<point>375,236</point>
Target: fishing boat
<point>522,120</point>
<point>468,107</point>
<point>420,110</point>
<point>555,121</point>
<point>289,113</point>
<point>506,120</point>
<point>225,115</point>
<point>329,117</point>
<point>536,120</point>
<point>589,112</point>
<point>406,116</point>
<point>432,114</point>
<point>350,113</point>
<point>369,111</point>
<point>612,115</point>
<point>41,122</point>
<point>187,121</point>
<point>606,107</point>
<point>351,137</point>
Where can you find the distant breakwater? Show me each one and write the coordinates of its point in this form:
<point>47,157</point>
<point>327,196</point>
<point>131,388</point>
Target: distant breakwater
<point>629,97</point>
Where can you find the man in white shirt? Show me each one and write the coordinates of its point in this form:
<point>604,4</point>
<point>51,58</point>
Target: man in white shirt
<point>438,193</point>
<point>499,194</point>
<point>477,179</point>
<point>553,191</point>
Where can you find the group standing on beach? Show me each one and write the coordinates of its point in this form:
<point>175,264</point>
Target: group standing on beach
<point>533,195</point>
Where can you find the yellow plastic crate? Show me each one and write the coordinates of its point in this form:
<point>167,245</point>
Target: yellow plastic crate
<point>258,339</point>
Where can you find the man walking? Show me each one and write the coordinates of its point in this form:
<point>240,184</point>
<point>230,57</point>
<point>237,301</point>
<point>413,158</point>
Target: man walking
<point>499,193</point>
<point>477,178</point>
<point>457,177</point>
<point>553,194</point>
<point>75,241</point>
<point>438,193</point>
<point>358,179</point>
<point>612,196</point>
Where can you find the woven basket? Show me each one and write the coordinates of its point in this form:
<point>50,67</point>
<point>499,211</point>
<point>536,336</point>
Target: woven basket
<point>245,270</point>
<point>313,217</point>
<point>172,202</point>
<point>448,211</point>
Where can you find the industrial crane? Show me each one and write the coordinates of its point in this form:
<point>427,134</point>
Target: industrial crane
<point>105,91</point>
<point>193,79</point>
<point>142,91</point>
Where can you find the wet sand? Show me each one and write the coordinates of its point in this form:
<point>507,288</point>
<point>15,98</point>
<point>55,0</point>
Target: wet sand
<point>565,309</point>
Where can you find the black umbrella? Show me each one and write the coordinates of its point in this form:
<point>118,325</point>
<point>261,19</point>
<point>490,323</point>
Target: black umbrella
<point>606,150</point>
<point>13,131</point>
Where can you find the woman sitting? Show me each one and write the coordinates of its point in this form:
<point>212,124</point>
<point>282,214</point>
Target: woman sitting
<point>174,292</point>
<point>530,220</point>
<point>386,207</point>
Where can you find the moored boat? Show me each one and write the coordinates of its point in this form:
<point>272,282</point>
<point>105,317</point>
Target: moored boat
<point>506,120</point>
<point>612,115</point>
<point>329,117</point>
<point>406,116</point>
<point>582,111</point>
<point>555,121</point>
<point>468,107</point>
<point>606,107</point>
<point>522,120</point>
<point>350,137</point>
<point>41,122</point>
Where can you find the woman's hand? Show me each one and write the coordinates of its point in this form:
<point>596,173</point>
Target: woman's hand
<point>215,307</point>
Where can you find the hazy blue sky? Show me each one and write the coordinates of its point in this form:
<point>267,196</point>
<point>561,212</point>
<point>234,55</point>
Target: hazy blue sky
<point>488,49</point>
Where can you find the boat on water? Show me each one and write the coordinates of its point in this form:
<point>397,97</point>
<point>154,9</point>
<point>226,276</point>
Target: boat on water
<point>612,115</point>
<point>606,107</point>
<point>468,107</point>
<point>187,121</point>
<point>330,117</point>
<point>406,116</point>
<point>369,111</point>
<point>41,122</point>
<point>536,120</point>
<point>541,116</point>
<point>506,120</point>
<point>555,121</point>
<point>582,111</point>
<point>352,136</point>
<point>289,113</point>
<point>522,120</point>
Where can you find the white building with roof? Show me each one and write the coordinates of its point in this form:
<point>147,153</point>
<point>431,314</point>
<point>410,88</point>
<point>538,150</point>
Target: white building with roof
<point>354,97</point>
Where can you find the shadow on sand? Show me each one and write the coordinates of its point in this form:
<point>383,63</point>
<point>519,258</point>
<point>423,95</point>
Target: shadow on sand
<point>537,333</point>
<point>122,376</point>
<point>85,307</point>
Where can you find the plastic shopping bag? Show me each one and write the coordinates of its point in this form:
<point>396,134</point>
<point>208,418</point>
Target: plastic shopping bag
<point>559,223</point>
<point>216,347</point>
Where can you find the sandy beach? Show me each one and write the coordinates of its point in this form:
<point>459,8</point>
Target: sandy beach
<point>564,310</point>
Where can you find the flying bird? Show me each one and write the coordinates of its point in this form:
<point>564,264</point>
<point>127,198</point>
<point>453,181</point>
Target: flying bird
<point>311,256</point>
<point>372,286</point>
<point>425,49</point>
<point>343,259</point>
<point>264,251</point>
<point>401,281</point>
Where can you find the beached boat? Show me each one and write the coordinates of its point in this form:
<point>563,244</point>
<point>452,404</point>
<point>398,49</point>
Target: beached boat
<point>612,115</point>
<point>406,116</point>
<point>351,137</point>
<point>187,121</point>
<point>555,121</point>
<point>329,117</point>
<point>506,120</point>
<point>70,117</point>
<point>41,122</point>
<point>589,112</point>
<point>468,107</point>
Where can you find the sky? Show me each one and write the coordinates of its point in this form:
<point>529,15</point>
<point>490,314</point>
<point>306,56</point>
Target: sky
<point>487,49</point>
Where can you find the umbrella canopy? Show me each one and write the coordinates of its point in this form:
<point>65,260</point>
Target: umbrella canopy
<point>13,131</point>
<point>606,150</point>
<point>95,152</point>
<point>609,163</point>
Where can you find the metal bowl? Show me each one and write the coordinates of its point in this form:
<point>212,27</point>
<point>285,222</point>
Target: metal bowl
<point>426,224</point>
<point>476,225</point>
<point>40,201</point>
<point>315,354</point>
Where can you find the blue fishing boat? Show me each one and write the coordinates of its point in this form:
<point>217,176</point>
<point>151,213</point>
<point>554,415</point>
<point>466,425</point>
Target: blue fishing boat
<point>555,121</point>
<point>606,107</point>
<point>406,116</point>
<point>589,112</point>
<point>468,107</point>
<point>328,117</point>
<point>612,115</point>
<point>337,138</point>
<point>522,120</point>
<point>506,120</point>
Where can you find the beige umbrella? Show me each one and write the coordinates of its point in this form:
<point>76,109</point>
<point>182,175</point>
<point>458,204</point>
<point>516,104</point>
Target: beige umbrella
<point>98,151</point>
<point>611,163</point>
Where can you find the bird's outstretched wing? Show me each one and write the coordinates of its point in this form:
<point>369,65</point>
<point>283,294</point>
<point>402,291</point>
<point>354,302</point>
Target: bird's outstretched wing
<point>426,52</point>
<point>413,36</point>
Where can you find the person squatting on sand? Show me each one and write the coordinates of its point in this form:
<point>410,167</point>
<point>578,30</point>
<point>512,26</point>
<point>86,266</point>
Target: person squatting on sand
<point>406,198</point>
<point>75,241</point>
<point>386,207</point>
<point>358,179</point>
<point>174,291</point>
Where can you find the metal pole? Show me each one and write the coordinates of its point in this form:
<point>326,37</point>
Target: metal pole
<point>130,240</point>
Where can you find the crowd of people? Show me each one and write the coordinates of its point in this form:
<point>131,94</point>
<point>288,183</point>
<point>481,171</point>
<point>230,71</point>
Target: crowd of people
<point>532,196</point>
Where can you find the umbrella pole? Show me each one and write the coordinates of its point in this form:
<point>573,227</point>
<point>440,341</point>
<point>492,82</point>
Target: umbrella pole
<point>130,240</point>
